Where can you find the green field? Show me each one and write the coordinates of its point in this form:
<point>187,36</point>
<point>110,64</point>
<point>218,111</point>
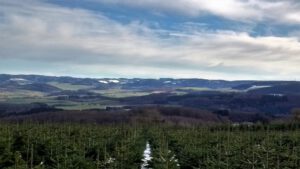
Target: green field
<point>121,93</point>
<point>20,94</point>
<point>69,105</point>
<point>27,97</point>
<point>203,89</point>
<point>68,86</point>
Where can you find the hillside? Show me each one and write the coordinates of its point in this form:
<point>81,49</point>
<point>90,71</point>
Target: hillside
<point>240,100</point>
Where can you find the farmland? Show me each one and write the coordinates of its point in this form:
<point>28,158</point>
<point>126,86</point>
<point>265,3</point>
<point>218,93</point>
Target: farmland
<point>68,86</point>
<point>69,93</point>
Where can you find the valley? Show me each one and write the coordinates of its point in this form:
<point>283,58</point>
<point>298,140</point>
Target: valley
<point>236,101</point>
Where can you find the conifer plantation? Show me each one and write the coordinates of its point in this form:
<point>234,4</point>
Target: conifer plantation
<point>91,146</point>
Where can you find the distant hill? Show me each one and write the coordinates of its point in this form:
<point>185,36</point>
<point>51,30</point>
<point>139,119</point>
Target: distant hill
<point>192,99</point>
<point>40,87</point>
<point>289,88</point>
<point>45,84</point>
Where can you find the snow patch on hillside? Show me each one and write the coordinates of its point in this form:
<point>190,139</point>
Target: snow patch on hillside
<point>109,81</point>
<point>254,87</point>
<point>113,81</point>
<point>18,79</point>
<point>103,81</point>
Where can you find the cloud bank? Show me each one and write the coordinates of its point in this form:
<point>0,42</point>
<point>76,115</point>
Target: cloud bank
<point>43,38</point>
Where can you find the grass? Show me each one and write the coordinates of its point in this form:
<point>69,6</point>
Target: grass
<point>20,93</point>
<point>69,105</point>
<point>202,89</point>
<point>28,100</point>
<point>196,88</point>
<point>80,106</point>
<point>21,96</point>
<point>27,97</point>
<point>68,86</point>
<point>120,93</point>
<point>64,104</point>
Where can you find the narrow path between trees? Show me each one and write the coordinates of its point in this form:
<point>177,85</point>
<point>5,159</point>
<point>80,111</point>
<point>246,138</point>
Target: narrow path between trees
<point>147,157</point>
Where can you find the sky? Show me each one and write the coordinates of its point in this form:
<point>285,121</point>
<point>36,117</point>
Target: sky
<point>212,39</point>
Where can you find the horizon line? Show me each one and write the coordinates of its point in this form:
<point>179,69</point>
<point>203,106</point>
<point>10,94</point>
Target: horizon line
<point>152,78</point>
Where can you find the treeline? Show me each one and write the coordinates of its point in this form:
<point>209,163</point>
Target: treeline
<point>151,114</point>
<point>130,115</point>
<point>9,109</point>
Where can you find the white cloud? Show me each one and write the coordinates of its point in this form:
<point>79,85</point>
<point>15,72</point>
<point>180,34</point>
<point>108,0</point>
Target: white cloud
<point>76,41</point>
<point>277,11</point>
<point>194,7</point>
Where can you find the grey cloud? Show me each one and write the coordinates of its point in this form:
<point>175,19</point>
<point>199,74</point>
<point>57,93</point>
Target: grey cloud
<point>79,40</point>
